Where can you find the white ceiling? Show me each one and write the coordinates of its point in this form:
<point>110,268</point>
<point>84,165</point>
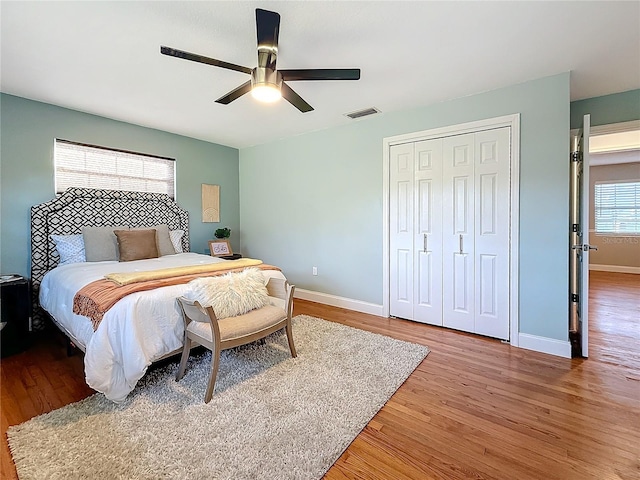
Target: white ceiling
<point>104,57</point>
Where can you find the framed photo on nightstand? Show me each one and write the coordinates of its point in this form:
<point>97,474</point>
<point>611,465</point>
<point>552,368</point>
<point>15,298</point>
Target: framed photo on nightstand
<point>219,248</point>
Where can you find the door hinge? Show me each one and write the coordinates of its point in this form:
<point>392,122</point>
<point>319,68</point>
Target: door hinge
<point>574,227</point>
<point>575,298</point>
<point>576,156</point>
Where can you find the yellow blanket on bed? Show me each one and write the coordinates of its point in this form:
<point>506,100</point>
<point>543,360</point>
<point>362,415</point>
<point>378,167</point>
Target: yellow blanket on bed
<point>126,278</point>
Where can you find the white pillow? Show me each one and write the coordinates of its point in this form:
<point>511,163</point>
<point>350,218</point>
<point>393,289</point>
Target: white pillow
<point>231,294</point>
<point>176,239</point>
<point>70,248</point>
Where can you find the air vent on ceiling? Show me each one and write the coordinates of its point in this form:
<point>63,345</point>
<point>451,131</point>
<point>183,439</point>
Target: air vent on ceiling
<point>362,113</point>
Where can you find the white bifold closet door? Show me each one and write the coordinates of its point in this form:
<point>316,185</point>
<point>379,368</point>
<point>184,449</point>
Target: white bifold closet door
<point>449,232</point>
<point>415,172</point>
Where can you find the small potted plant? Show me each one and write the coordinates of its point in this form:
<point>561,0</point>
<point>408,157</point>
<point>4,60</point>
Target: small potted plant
<point>222,233</point>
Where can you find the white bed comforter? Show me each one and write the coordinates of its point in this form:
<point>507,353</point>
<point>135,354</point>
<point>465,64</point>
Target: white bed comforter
<point>136,331</point>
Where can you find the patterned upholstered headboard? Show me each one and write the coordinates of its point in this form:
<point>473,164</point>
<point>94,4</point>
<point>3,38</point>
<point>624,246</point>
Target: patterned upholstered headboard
<point>80,207</point>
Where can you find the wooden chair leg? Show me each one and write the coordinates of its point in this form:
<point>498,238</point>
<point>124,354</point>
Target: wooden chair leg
<point>292,347</point>
<point>215,362</point>
<point>183,359</point>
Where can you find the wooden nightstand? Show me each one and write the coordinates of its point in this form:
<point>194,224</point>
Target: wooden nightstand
<point>15,310</point>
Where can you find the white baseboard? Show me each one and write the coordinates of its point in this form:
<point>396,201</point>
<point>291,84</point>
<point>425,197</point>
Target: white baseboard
<point>529,342</point>
<point>335,301</point>
<point>614,268</point>
<point>545,345</point>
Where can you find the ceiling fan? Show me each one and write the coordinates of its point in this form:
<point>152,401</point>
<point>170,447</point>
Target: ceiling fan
<point>267,83</point>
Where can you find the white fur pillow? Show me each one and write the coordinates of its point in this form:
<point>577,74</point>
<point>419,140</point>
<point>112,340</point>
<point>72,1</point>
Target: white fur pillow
<point>231,294</point>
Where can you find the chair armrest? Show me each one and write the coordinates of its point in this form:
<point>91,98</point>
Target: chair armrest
<point>194,311</point>
<point>282,289</point>
<point>277,287</point>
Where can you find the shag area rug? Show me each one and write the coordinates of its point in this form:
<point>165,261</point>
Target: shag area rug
<point>271,416</point>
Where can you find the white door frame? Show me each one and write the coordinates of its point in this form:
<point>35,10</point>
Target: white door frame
<point>512,121</point>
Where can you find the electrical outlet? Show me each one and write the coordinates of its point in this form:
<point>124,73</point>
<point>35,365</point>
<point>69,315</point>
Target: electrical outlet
<point>315,270</point>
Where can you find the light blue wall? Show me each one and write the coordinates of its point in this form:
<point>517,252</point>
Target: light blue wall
<point>316,199</point>
<point>614,108</point>
<point>27,132</point>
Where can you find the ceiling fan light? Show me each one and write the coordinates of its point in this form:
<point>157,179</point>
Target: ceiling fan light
<point>267,93</point>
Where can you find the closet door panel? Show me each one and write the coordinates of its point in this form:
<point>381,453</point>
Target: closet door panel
<point>404,285</point>
<point>462,298</point>
<point>428,232</point>
<point>492,194</point>
<point>401,216</point>
<point>488,291</point>
<point>458,230</point>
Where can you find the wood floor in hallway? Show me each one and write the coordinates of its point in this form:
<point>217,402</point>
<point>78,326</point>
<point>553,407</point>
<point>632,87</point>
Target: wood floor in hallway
<point>474,409</point>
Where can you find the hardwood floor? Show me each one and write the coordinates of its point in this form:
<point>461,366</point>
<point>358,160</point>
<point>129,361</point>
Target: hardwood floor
<point>474,409</point>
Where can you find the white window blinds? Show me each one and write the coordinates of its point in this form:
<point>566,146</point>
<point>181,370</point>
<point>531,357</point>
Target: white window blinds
<point>89,166</point>
<point>617,207</point>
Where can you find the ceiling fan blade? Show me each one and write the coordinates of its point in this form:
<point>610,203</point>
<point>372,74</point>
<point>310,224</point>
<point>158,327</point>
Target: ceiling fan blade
<point>235,94</point>
<point>172,52</point>
<point>294,99</point>
<point>267,29</point>
<point>321,74</point>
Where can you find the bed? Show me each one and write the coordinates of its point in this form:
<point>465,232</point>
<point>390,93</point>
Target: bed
<point>141,327</point>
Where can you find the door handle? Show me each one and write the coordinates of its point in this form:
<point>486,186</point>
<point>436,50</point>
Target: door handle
<point>461,244</point>
<point>424,243</point>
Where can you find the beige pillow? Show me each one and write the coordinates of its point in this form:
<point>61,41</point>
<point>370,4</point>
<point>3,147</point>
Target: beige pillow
<point>137,244</point>
<point>100,243</point>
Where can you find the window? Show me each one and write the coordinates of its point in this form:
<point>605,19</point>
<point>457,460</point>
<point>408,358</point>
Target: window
<point>89,166</point>
<point>617,208</point>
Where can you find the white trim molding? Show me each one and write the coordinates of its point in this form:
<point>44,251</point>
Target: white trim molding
<point>610,128</point>
<point>336,301</point>
<point>615,128</point>
<point>614,268</point>
<point>512,121</point>
<point>551,346</point>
